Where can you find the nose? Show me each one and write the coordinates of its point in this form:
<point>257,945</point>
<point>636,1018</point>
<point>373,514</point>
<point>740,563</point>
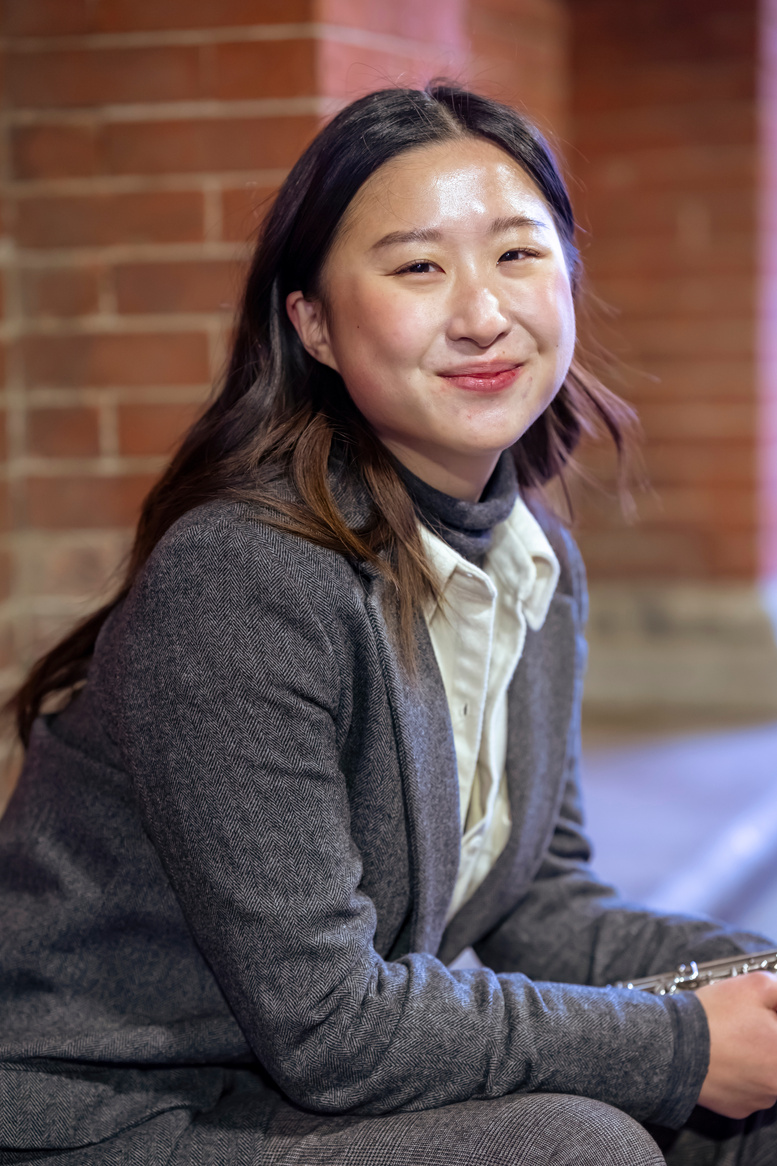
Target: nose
<point>476,314</point>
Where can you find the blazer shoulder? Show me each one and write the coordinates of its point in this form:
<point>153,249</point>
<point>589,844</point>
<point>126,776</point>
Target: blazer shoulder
<point>234,537</point>
<point>222,590</point>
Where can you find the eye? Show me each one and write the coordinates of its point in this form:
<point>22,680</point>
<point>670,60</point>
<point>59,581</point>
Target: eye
<point>420,267</point>
<point>518,253</point>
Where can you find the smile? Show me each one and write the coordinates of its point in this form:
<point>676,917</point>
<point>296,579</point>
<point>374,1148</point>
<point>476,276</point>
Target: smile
<point>483,378</point>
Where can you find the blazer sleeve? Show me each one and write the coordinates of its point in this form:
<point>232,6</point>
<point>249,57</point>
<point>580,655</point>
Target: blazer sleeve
<point>230,695</point>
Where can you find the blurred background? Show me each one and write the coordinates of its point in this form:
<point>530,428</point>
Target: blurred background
<point>139,142</point>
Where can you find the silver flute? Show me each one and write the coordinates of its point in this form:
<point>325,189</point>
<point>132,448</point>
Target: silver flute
<point>692,975</point>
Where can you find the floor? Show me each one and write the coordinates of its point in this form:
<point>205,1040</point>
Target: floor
<point>688,820</point>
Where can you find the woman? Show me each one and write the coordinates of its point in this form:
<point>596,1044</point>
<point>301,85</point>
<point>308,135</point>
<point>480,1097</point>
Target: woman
<point>327,736</point>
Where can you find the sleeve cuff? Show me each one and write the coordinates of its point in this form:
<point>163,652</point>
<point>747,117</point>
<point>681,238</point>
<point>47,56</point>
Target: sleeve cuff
<point>690,1061</point>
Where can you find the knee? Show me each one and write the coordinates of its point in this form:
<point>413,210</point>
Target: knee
<point>576,1131</point>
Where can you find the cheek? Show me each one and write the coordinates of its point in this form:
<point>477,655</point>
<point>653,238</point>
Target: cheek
<point>548,314</point>
<point>385,326</point>
<point>558,312</point>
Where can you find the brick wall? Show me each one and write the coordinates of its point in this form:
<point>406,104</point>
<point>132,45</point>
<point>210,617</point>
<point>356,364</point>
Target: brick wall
<point>664,120</point>
<point>140,141</point>
<point>520,51</point>
<point>664,124</point>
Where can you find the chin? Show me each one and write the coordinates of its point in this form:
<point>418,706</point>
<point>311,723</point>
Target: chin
<point>491,446</point>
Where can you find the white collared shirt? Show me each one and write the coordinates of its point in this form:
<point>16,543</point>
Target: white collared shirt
<point>478,630</point>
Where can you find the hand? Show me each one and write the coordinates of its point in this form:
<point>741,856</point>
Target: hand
<point>742,1075</point>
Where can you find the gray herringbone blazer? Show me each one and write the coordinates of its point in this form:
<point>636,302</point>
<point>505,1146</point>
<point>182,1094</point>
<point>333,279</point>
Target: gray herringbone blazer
<point>237,846</point>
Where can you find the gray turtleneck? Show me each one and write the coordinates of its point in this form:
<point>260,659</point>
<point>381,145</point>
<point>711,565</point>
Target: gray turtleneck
<point>465,526</point>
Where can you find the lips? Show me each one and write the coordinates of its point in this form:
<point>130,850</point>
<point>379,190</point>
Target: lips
<point>483,378</point>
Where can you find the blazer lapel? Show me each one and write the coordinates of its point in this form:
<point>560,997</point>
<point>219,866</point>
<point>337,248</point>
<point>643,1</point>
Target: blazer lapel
<point>429,777</point>
<point>540,706</point>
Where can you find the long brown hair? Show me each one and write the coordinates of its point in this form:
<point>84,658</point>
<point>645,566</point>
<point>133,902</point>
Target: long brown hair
<point>277,412</point>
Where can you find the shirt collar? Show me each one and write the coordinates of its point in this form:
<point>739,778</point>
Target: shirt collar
<point>520,562</point>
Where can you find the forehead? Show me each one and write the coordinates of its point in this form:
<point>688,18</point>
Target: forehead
<point>463,180</point>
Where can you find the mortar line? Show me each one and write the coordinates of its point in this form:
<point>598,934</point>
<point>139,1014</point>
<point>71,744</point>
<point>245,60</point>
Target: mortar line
<point>164,38</point>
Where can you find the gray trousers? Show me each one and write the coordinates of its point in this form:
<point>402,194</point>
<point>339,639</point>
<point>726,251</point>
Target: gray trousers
<point>250,1127</point>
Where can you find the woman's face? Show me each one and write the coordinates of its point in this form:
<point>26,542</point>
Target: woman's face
<point>449,311</point>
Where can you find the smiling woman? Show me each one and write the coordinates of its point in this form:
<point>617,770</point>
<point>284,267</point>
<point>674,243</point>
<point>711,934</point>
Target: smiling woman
<point>454,329</point>
<point>296,872</point>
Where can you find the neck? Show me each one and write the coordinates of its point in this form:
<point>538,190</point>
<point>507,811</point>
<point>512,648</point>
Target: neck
<point>459,477</point>
<point>466,526</point>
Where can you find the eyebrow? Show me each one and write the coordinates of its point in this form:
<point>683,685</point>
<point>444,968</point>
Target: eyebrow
<point>499,226</point>
<point>432,235</point>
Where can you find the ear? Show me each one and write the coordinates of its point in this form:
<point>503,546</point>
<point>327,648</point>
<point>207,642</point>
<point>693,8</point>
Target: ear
<point>309,321</point>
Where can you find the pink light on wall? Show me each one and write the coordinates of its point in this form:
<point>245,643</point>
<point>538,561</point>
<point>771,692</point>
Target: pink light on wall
<point>767,435</point>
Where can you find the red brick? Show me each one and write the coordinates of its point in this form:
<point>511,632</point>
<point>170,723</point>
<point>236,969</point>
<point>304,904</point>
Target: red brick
<point>98,76</point>
<point>511,67</point>
<point>696,380</point>
<point>244,209</point>
<point>262,69</point>
<point>54,151</point>
<point>159,216</point>
<point>6,569</point>
<point>438,21</point>
<point>71,432</point>
<point>211,144</point>
<point>681,420</point>
<point>692,168</point>
<point>711,213</point>
<point>200,286</point>
<point>661,82</point>
<point>715,509</point>
<point>706,122</point>
<point>86,360</point>
<point>735,556</point>
<point>664,109</point>
<point>603,30</point>
<point>501,37</point>
<point>153,429</point>
<point>349,71</point>
<point>660,254</point>
<point>634,552</point>
<point>118,15</point>
<point>637,296</point>
<point>55,17</point>
<point>7,643</point>
<point>715,463</point>
<point>60,291</point>
<point>662,338</point>
<point>83,502</point>
<point>48,17</point>
<point>5,507</point>
<point>54,568</point>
